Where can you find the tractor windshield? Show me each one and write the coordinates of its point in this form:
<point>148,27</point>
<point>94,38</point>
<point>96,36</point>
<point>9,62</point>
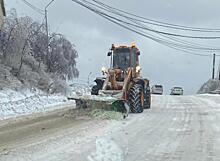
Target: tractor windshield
<point>121,58</point>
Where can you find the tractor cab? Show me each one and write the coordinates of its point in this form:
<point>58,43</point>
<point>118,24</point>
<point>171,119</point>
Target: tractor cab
<point>124,57</point>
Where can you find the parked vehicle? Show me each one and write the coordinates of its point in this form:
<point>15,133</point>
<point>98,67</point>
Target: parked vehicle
<point>157,89</point>
<point>176,91</point>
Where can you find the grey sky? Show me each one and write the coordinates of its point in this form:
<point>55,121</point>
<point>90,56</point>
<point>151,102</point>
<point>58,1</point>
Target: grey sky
<point>93,36</point>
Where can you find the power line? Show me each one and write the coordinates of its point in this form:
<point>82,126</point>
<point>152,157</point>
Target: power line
<point>40,11</point>
<point>159,23</point>
<point>192,47</point>
<point>157,31</point>
<point>169,37</point>
<point>186,43</point>
<point>169,44</point>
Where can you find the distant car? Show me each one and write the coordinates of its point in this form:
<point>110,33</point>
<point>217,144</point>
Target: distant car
<point>157,89</point>
<point>176,91</point>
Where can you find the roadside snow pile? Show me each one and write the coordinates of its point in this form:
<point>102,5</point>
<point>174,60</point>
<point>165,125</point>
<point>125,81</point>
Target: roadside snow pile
<point>211,86</point>
<point>80,89</point>
<point>13,103</point>
<point>212,100</point>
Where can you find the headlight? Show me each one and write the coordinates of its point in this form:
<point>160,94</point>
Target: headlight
<point>138,68</point>
<point>104,69</point>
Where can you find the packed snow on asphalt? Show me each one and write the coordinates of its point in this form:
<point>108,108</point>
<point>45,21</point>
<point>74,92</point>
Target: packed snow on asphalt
<point>176,128</point>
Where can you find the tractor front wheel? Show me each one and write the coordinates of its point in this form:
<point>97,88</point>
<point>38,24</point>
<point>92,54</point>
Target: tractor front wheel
<point>136,98</point>
<point>95,90</point>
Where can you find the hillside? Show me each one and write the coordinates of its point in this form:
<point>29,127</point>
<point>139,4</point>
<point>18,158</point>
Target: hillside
<point>26,61</point>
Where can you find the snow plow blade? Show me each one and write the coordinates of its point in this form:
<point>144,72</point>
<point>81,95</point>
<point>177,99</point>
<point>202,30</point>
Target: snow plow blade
<point>99,102</point>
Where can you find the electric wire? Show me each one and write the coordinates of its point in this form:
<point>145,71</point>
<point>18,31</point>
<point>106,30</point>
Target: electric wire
<point>40,11</point>
<point>190,44</point>
<point>162,32</point>
<point>169,37</point>
<point>208,49</point>
<point>159,23</point>
<point>171,45</point>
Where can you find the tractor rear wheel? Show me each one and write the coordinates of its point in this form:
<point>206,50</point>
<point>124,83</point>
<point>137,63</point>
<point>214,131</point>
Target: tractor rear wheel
<point>147,98</point>
<point>136,98</point>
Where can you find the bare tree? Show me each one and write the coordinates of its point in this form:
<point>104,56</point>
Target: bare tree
<point>63,57</point>
<point>23,44</point>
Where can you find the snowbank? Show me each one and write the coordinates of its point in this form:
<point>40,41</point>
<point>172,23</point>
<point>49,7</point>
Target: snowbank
<point>80,89</point>
<point>212,99</point>
<point>13,103</point>
<point>211,86</point>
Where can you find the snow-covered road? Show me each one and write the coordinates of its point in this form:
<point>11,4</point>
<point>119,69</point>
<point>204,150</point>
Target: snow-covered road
<point>176,128</point>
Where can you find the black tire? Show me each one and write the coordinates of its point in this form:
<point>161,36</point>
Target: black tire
<point>95,90</point>
<point>135,98</point>
<point>147,98</point>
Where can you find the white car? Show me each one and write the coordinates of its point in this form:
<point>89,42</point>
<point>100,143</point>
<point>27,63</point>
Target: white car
<point>157,89</point>
<point>176,91</point>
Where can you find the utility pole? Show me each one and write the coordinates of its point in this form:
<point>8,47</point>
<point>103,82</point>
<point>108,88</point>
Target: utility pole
<point>47,30</point>
<point>213,67</point>
<point>218,74</point>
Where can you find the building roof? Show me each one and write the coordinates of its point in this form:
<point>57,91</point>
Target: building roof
<point>3,7</point>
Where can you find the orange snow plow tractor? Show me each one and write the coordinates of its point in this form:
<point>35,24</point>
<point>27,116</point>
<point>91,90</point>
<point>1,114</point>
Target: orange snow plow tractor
<point>121,86</point>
